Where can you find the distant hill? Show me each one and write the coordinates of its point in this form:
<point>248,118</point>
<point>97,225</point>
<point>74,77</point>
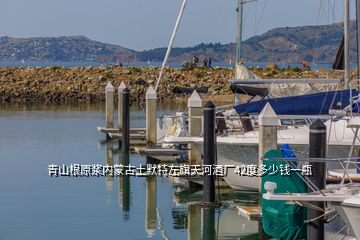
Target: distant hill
<point>66,49</point>
<point>290,44</point>
<point>312,43</point>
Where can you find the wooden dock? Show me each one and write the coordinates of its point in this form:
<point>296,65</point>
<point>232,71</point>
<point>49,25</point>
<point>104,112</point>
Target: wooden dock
<point>161,154</point>
<point>137,135</point>
<point>219,184</point>
<point>193,196</point>
<point>251,213</point>
<point>133,142</point>
<point>133,136</point>
<point>115,130</point>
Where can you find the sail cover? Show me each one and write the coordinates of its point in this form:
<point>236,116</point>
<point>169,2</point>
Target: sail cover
<point>275,89</point>
<point>310,104</point>
<point>241,72</point>
<point>249,90</point>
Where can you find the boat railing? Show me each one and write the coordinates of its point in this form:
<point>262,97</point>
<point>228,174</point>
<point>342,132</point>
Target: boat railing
<point>282,81</point>
<point>224,107</point>
<point>345,163</point>
<point>234,125</point>
<point>316,194</point>
<point>255,117</point>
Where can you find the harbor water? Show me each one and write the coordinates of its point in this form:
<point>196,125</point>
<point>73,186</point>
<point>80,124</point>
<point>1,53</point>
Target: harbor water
<point>37,206</point>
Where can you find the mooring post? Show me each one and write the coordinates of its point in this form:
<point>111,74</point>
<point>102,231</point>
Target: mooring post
<point>195,125</point>
<point>126,122</point>
<point>151,116</point>
<point>317,149</point>
<point>109,105</point>
<point>120,105</point>
<point>268,122</point>
<point>209,152</point>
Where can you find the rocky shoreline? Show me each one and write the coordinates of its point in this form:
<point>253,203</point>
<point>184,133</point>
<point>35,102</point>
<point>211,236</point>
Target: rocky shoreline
<point>87,84</point>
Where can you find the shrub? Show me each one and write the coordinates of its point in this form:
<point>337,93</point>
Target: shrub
<point>295,69</point>
<point>56,67</point>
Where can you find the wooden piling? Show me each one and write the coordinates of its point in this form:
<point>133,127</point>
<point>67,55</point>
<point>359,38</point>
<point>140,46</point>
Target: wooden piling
<point>209,152</point>
<point>317,149</point>
<point>109,107</point>
<point>151,116</point>
<point>268,122</point>
<point>120,105</point>
<point>126,122</point>
<point>195,125</point>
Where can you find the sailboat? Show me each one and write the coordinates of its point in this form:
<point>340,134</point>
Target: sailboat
<point>344,198</point>
<point>238,145</point>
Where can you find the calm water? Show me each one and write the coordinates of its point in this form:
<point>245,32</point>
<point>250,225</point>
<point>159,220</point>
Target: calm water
<point>154,64</point>
<point>35,206</point>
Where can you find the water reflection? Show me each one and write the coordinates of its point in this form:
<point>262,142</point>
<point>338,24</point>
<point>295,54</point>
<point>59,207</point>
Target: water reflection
<point>83,203</point>
<point>179,216</point>
<point>124,194</point>
<point>84,107</point>
<point>187,213</point>
<point>150,216</point>
<point>151,202</point>
<point>194,222</point>
<point>209,224</point>
<point>109,180</point>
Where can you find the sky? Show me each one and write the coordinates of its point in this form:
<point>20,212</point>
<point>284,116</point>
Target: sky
<point>148,24</point>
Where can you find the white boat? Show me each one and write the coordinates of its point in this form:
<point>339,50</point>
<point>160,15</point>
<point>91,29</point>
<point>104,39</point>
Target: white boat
<point>242,149</point>
<point>346,201</point>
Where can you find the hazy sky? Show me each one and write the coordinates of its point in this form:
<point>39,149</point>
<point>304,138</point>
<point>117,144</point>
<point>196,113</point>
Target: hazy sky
<point>145,24</point>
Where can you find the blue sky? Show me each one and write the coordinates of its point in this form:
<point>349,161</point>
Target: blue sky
<point>146,24</point>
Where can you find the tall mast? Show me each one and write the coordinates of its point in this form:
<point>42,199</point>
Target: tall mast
<point>240,11</point>
<point>239,28</point>
<point>358,38</point>
<point>346,43</point>
<point>172,39</point>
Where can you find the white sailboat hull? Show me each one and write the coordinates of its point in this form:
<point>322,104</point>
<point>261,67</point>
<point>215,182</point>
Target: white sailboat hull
<point>242,149</point>
<point>243,155</point>
<point>349,211</point>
